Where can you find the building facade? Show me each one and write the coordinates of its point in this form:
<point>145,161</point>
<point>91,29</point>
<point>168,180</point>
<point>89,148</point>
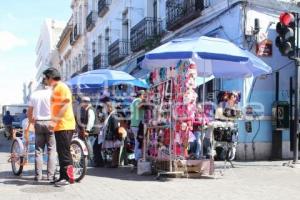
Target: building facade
<point>46,45</point>
<point>117,33</point>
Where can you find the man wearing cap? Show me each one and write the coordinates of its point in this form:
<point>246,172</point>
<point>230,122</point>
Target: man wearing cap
<point>137,115</point>
<point>62,123</point>
<point>86,125</point>
<point>39,115</point>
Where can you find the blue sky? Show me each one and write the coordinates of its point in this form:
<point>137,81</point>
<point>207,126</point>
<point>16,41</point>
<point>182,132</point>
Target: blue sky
<point>20,23</point>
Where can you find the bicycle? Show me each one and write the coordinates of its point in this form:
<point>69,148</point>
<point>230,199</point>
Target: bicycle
<point>22,148</point>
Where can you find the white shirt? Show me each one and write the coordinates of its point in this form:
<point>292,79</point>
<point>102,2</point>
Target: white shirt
<point>40,101</point>
<point>91,120</point>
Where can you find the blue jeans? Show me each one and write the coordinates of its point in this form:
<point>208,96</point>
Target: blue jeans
<point>195,147</point>
<point>90,143</point>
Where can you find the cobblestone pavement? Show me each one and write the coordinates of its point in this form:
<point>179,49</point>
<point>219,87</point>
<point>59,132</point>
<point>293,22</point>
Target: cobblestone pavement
<point>248,180</point>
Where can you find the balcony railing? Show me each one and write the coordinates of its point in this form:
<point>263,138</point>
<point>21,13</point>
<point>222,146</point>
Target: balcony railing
<point>103,7</point>
<point>146,34</point>
<point>91,20</point>
<point>180,13</point>
<point>117,51</point>
<point>100,61</point>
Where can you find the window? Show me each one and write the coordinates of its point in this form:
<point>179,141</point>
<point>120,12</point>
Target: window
<point>94,49</point>
<point>106,39</point>
<point>155,9</point>
<point>125,26</point>
<point>99,44</point>
<point>211,89</point>
<point>80,20</point>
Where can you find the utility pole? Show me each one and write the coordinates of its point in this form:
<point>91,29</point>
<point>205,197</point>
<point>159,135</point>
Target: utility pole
<point>287,43</point>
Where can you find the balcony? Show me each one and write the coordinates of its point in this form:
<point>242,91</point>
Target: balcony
<point>103,7</point>
<point>117,51</point>
<point>100,61</point>
<point>146,34</point>
<point>179,14</point>
<point>91,20</point>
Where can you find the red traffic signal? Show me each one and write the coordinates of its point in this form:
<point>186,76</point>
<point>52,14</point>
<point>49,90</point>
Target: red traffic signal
<point>285,28</point>
<point>286,18</point>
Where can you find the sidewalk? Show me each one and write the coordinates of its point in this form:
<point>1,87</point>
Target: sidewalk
<point>249,180</point>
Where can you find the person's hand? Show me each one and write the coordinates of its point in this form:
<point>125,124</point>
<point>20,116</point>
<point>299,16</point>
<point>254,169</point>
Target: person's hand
<point>52,125</point>
<point>85,133</point>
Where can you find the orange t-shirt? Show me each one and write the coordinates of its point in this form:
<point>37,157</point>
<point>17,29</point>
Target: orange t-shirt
<point>61,93</point>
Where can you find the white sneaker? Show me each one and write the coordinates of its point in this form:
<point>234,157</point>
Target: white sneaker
<point>61,183</point>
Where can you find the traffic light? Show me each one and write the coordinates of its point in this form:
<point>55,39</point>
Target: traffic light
<point>285,28</point>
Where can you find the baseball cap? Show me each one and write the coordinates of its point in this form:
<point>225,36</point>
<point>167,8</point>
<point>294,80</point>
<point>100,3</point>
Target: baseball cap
<point>86,99</point>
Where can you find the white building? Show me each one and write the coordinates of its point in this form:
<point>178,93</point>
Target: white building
<point>77,36</point>
<point>64,49</point>
<point>46,45</point>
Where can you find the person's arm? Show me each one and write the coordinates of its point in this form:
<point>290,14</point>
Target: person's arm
<point>30,114</point>
<point>26,133</point>
<point>30,121</point>
<point>91,120</point>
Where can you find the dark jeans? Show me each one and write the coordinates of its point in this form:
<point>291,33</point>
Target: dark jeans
<point>63,141</point>
<point>98,158</point>
<point>43,137</point>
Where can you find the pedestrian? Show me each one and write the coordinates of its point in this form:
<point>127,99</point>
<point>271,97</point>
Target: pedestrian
<point>23,115</point>
<point>88,126</point>
<point>7,121</point>
<point>110,134</point>
<point>97,147</point>
<point>137,116</point>
<point>62,123</point>
<point>39,114</point>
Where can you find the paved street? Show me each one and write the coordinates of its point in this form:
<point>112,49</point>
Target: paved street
<point>249,180</point>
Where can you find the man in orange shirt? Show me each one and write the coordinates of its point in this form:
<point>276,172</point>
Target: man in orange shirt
<point>62,123</point>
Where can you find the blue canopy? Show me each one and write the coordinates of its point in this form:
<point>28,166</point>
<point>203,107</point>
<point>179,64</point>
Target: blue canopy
<point>213,56</point>
<point>104,78</point>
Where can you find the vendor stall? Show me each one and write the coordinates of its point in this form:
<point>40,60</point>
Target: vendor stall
<point>178,123</point>
<point>172,143</point>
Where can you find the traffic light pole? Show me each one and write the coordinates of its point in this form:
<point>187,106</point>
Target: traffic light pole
<point>296,120</point>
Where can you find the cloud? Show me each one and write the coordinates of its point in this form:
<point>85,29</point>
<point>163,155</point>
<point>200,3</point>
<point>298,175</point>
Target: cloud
<point>9,41</point>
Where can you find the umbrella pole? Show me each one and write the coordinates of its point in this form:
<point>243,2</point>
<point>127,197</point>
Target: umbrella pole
<point>202,129</point>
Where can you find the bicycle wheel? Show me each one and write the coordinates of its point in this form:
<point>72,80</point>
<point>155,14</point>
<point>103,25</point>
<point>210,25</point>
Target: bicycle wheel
<point>16,158</point>
<point>79,160</point>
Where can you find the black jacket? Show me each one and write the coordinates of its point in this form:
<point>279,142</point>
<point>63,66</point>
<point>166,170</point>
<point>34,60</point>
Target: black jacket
<point>112,127</point>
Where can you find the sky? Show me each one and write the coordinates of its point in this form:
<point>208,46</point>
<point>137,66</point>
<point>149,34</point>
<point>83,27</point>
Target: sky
<point>20,23</point>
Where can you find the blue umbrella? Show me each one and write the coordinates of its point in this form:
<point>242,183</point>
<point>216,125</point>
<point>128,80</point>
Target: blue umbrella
<point>213,56</point>
<point>104,78</point>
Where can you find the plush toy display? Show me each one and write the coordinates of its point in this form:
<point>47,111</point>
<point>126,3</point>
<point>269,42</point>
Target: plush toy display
<point>180,93</point>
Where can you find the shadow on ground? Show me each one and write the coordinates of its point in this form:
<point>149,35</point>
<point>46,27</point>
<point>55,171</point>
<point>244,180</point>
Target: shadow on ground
<point>128,174</point>
<point>125,173</point>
